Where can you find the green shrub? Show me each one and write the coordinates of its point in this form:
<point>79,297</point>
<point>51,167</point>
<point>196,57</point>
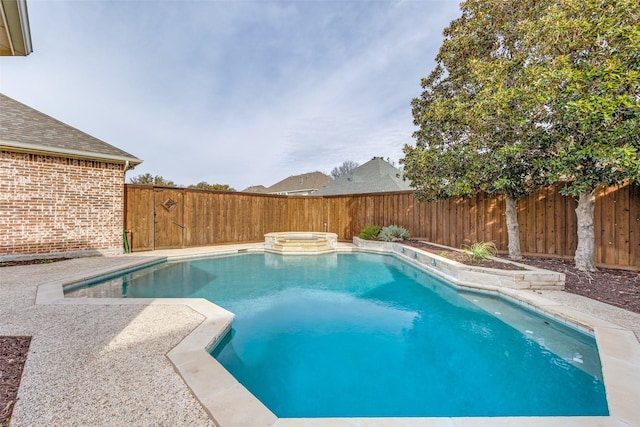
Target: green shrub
<point>370,232</point>
<point>481,250</point>
<point>393,233</point>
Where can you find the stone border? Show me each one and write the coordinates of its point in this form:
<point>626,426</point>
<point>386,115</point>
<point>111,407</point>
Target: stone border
<point>230,404</point>
<point>227,401</point>
<point>300,242</point>
<point>467,275</point>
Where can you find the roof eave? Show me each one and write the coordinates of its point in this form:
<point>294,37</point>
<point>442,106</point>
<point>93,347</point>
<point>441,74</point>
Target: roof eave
<point>19,147</point>
<point>15,20</point>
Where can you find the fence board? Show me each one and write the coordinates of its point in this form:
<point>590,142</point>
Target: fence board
<point>634,225</point>
<point>550,222</point>
<point>622,226</point>
<point>560,224</point>
<point>572,227</point>
<point>169,219</point>
<point>547,219</point>
<point>139,218</point>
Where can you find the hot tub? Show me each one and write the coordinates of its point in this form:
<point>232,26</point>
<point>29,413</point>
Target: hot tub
<point>300,242</point>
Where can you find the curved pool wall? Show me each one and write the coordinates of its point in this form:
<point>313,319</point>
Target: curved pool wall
<point>230,404</point>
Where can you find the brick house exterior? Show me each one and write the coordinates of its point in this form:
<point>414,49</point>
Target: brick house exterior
<point>61,190</point>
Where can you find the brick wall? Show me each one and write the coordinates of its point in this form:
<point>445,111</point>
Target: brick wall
<point>60,207</point>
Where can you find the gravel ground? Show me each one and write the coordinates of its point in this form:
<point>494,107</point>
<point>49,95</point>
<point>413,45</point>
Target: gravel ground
<point>95,365</point>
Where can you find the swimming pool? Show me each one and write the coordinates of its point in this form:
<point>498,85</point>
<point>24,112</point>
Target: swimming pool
<point>368,335</point>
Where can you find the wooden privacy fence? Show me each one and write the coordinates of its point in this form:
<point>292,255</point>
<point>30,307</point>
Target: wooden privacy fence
<point>161,218</point>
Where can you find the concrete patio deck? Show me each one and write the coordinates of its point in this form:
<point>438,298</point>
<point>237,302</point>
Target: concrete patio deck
<point>104,362</point>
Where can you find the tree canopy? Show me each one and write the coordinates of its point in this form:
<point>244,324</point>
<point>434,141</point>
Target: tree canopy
<point>148,179</point>
<point>479,117</point>
<point>588,62</point>
<point>203,185</point>
<point>530,93</point>
<point>479,122</point>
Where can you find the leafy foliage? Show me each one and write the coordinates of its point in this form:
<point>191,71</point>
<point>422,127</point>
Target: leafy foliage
<point>393,233</point>
<point>480,250</point>
<point>478,116</point>
<point>588,68</point>
<point>203,185</point>
<point>370,232</point>
<point>148,179</point>
<point>529,93</point>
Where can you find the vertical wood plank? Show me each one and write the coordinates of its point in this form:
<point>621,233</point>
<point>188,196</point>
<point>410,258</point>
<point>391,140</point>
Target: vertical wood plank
<point>599,228</point>
<point>540,221</point>
<point>482,218</point>
<point>550,222</point>
<point>634,226</point>
<point>572,226</point>
<point>473,218</point>
<point>562,222</point>
<point>623,222</point>
<point>547,219</point>
<point>522,222</point>
<point>139,217</point>
<point>607,204</point>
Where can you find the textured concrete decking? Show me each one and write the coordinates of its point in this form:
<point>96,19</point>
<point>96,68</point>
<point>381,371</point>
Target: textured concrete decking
<point>104,362</point>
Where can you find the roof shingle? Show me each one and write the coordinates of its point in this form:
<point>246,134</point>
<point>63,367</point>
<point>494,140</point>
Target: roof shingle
<point>375,176</point>
<point>23,128</point>
<point>307,182</point>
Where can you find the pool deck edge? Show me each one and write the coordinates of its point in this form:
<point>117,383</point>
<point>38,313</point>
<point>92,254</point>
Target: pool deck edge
<point>231,405</point>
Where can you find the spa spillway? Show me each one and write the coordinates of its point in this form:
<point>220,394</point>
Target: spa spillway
<point>297,242</point>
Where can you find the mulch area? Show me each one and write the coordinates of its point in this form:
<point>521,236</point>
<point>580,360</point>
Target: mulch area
<point>31,262</point>
<point>616,287</point>
<point>13,355</point>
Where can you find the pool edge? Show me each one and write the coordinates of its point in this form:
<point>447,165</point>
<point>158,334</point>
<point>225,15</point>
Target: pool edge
<point>230,404</point>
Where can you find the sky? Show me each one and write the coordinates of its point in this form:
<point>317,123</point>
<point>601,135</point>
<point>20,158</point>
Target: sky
<point>236,92</point>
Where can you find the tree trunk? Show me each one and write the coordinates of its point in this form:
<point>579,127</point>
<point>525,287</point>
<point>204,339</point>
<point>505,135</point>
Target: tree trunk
<point>513,229</point>
<point>585,252</point>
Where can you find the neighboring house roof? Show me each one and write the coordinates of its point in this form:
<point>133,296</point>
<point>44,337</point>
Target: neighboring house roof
<point>26,130</point>
<point>15,35</point>
<point>306,183</point>
<point>375,176</point>
<point>255,189</point>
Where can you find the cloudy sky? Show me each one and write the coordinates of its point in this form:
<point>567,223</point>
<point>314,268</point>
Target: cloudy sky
<point>237,92</point>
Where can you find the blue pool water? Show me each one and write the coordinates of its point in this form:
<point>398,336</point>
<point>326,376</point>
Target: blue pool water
<point>366,335</point>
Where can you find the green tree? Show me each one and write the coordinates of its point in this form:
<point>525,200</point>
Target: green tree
<point>148,179</point>
<point>587,58</point>
<point>203,185</point>
<point>478,118</point>
<point>531,91</point>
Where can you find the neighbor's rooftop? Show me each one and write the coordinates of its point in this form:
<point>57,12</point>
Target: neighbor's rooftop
<point>375,176</point>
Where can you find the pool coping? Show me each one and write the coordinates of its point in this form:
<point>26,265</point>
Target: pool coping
<point>230,404</point>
